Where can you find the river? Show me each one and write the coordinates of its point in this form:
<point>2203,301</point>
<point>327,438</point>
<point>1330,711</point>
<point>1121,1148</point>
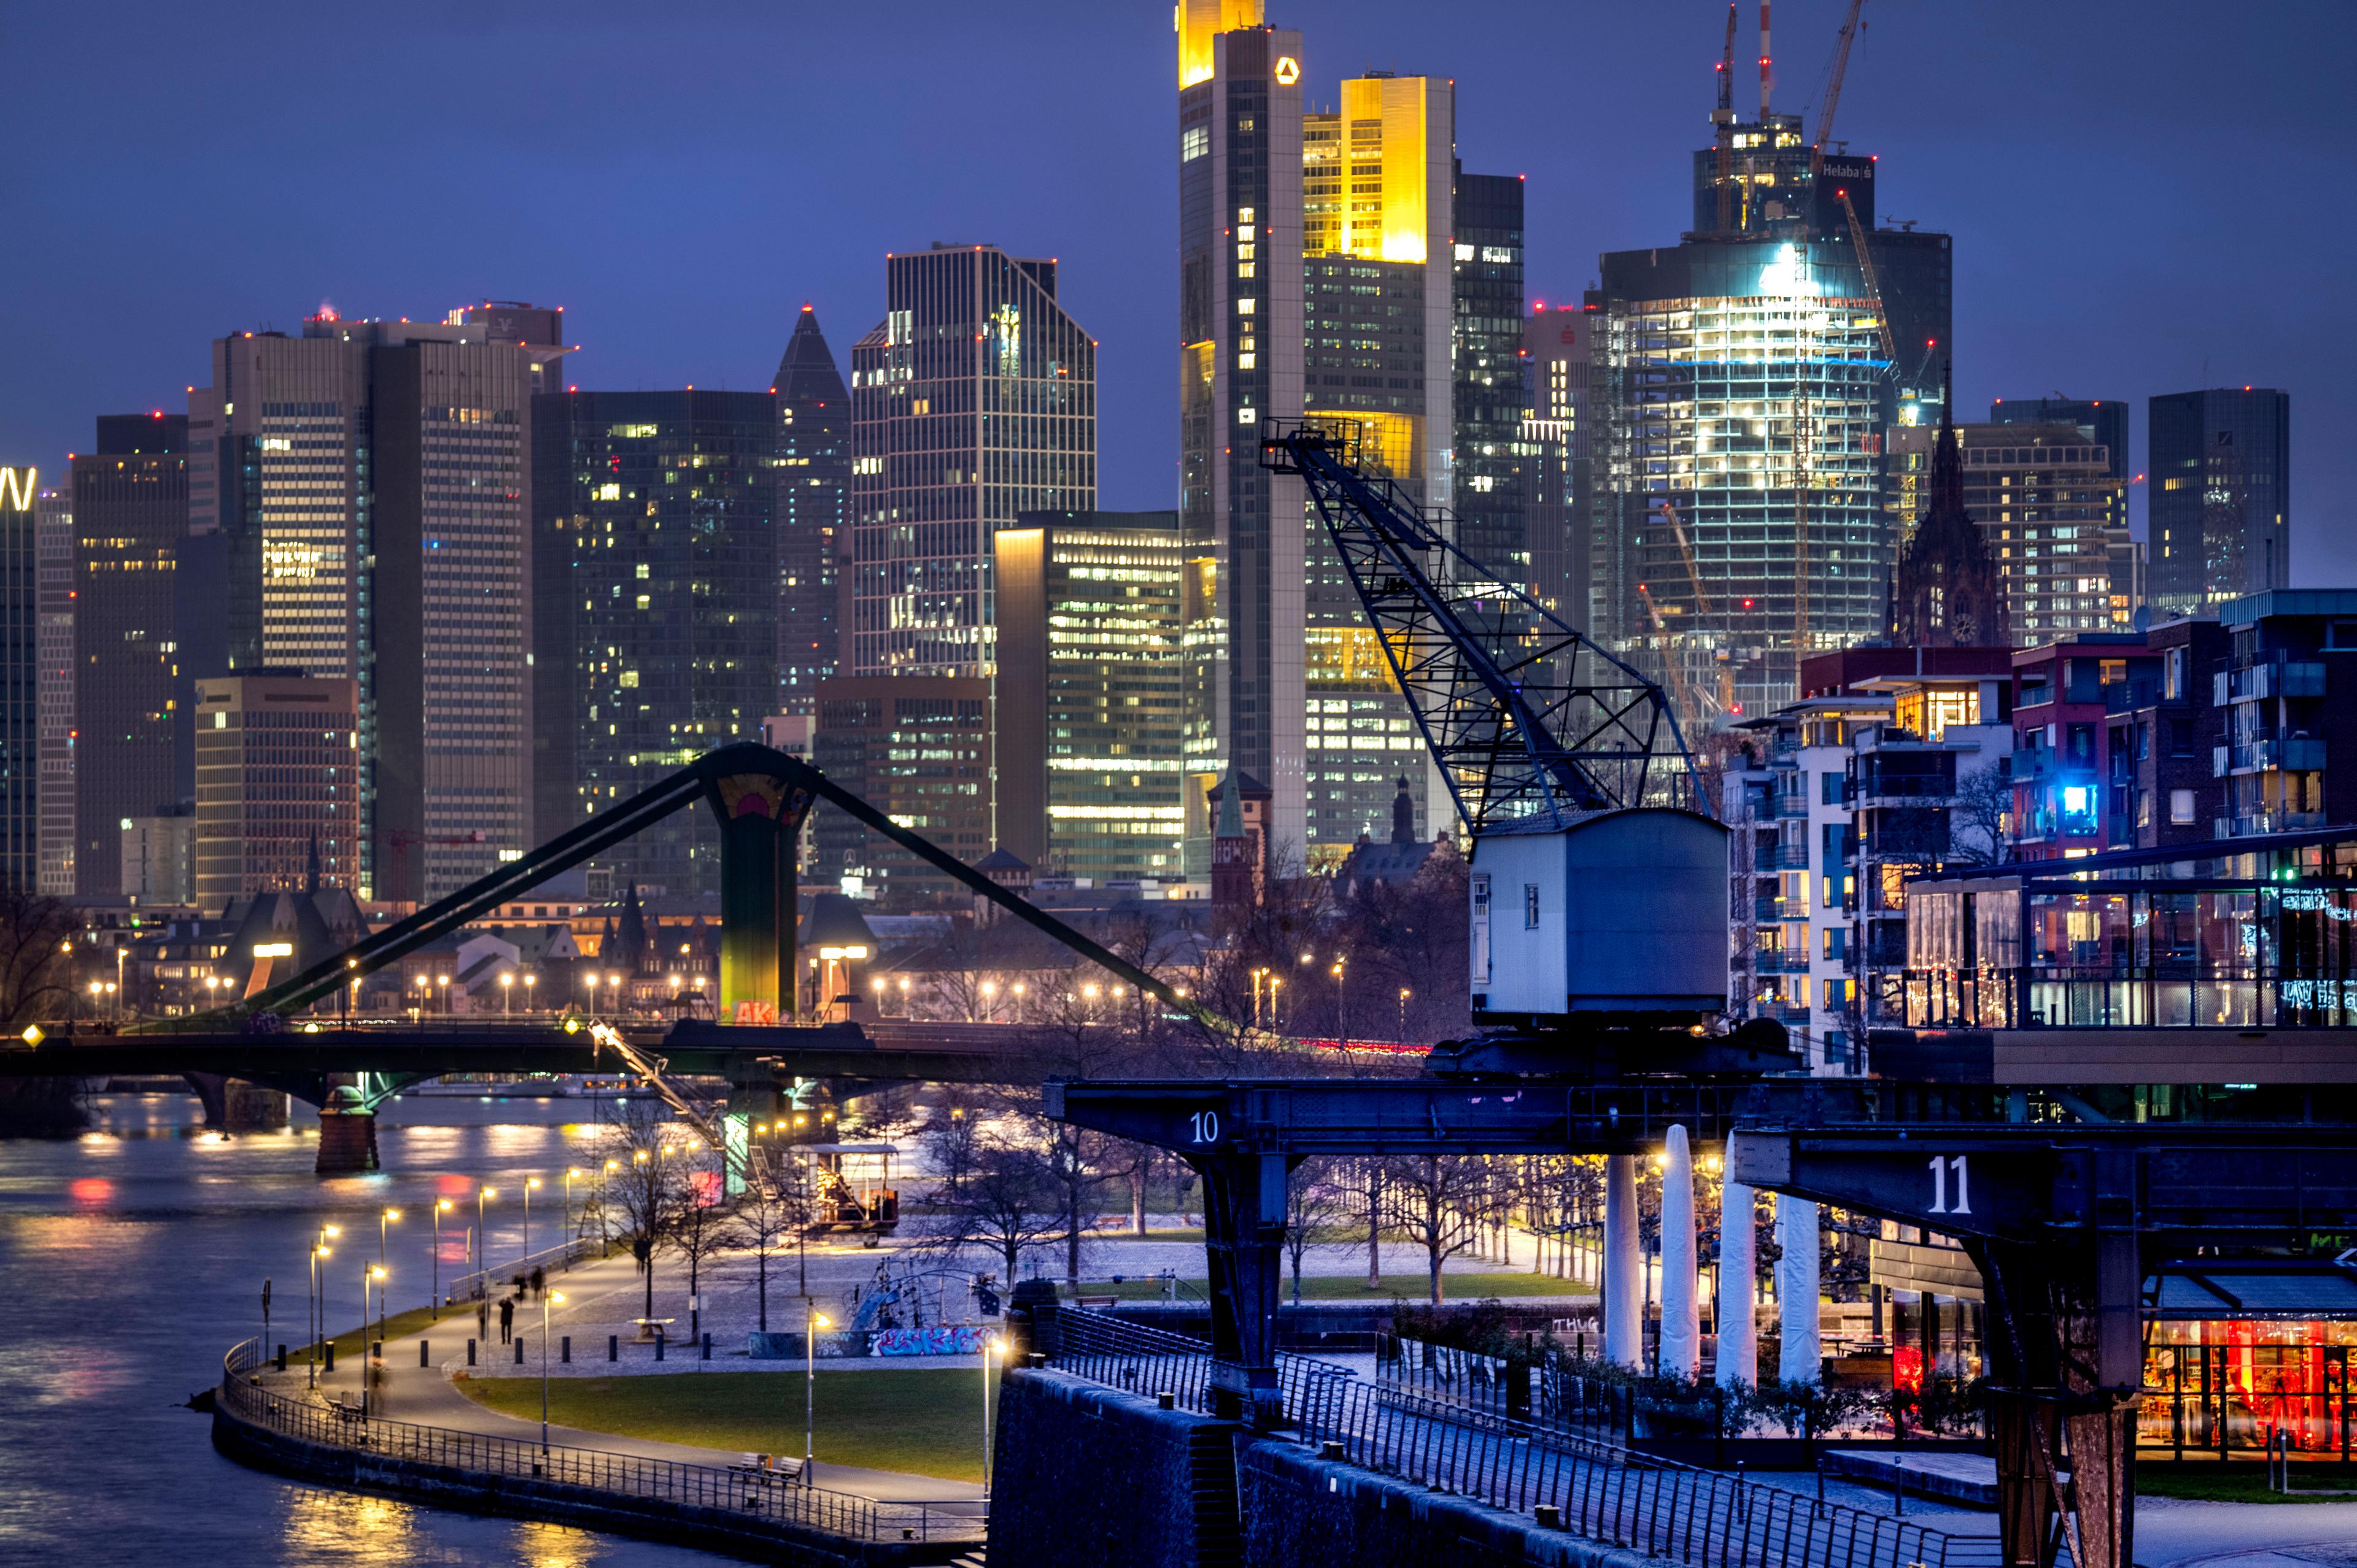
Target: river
<point>132,1257</point>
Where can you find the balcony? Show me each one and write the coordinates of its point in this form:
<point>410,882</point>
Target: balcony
<point>1766,909</point>
<point>1791,857</point>
<point>1903,789</point>
<point>2258,823</point>
<point>2262,753</point>
<point>2279,676</point>
<point>1793,803</point>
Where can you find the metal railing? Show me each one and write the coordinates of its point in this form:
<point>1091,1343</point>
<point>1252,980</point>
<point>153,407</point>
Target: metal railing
<point>477,1283</point>
<point>1544,1392</point>
<point>1702,1517</point>
<point>772,1497</point>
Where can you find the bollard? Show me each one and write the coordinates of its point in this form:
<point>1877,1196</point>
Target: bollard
<point>1167,1401</point>
<point>470,1352</point>
<point>331,1355</point>
<point>565,1349</point>
<point>659,1344</point>
<point>376,1349</point>
<point>613,1347</point>
<point>519,1349</point>
<point>282,1357</point>
<point>1332,1449</point>
<point>707,1344</point>
<point>423,1359</point>
<point>1547,1515</point>
<point>1036,1358</point>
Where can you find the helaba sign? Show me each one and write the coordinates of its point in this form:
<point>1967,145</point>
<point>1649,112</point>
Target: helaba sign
<point>1849,168</point>
<point>18,487</point>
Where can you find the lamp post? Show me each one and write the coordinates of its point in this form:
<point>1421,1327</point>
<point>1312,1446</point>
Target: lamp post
<point>1258,975</point>
<point>442,1206</point>
<point>529,982</point>
<point>319,1249</point>
<point>444,982</point>
<point>572,1173</point>
<point>373,1274</point>
<point>614,985</point>
<point>528,1182</point>
<point>386,1217</point>
<point>812,1321</point>
<point>482,1238</point>
<point>121,953</point>
<point>1405,995</point>
<point>507,992</point>
<point>420,1013</point>
<point>1341,1016</point>
<point>546,1297</point>
<point>989,1345</point>
<point>1275,1017</point>
<point>605,1229</point>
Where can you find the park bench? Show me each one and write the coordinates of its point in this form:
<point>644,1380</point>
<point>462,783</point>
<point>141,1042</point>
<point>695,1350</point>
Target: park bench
<point>770,1470</point>
<point>345,1410</point>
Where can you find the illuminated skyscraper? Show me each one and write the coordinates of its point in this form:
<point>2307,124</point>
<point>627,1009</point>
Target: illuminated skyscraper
<point>657,542</point>
<point>1745,383</point>
<point>131,511</point>
<point>54,545</point>
<point>972,400</point>
<point>371,481</point>
<point>1090,692</point>
<point>20,821</point>
<point>813,502</point>
<point>2220,496</point>
<point>1241,331</point>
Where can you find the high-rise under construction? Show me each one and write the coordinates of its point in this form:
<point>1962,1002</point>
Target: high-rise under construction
<point>1750,377</point>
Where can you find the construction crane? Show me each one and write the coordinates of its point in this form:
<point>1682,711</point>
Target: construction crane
<point>1529,721</point>
<point>1722,121</point>
<point>1833,88</point>
<point>1873,282</point>
<point>399,840</point>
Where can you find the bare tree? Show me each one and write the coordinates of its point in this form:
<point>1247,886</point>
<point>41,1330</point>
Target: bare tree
<point>1436,1202</point>
<point>1981,821</point>
<point>776,1203</point>
<point>996,1191</point>
<point>651,1190</point>
<point>35,957</point>
<point>1362,1183</point>
<point>1315,1202</point>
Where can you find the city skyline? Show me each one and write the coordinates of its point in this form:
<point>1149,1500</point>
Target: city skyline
<point>1967,118</point>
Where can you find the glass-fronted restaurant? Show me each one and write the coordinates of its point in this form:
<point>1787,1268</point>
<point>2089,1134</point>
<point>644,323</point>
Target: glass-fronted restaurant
<point>2238,1352</point>
<point>2250,933</point>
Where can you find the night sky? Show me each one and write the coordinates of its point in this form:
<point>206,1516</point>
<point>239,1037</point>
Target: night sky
<point>2146,197</point>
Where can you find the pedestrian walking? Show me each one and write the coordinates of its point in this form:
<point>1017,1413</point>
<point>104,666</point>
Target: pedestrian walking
<point>483,1319</point>
<point>539,1281</point>
<point>506,1319</point>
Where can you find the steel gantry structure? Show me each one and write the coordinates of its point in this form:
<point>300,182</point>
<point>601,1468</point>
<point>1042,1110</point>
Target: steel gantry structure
<point>1527,718</point>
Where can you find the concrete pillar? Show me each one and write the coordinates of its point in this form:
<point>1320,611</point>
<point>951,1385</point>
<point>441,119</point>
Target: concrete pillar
<point>1739,1270</point>
<point>760,821</point>
<point>1681,1341</point>
<point>250,1108</point>
<point>1624,1265</point>
<point>1799,1354</point>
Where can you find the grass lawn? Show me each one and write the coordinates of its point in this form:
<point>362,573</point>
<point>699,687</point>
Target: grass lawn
<point>1354,1288</point>
<point>925,1422</point>
<point>2241,1482</point>
<point>351,1341</point>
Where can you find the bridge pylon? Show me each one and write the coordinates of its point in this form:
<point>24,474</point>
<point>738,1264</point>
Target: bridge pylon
<point>761,823</point>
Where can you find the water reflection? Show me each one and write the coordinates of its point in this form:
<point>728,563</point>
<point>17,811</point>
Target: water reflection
<point>133,1255</point>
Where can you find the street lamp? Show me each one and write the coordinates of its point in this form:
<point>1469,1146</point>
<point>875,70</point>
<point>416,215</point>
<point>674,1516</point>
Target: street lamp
<point>1258,975</point>
<point>546,1297</point>
<point>384,1218</point>
<point>482,1240</point>
<point>444,982</point>
<point>372,1276</point>
<point>529,982</point>
<point>1341,1016</point>
<point>422,982</point>
<point>507,992</point>
<point>989,1345</point>
<point>605,1229</point>
<point>1275,985</point>
<point>812,1321</point>
<point>571,1175</point>
<point>319,1249</point>
<point>529,1184</point>
<point>442,1206</point>
<point>1405,995</point>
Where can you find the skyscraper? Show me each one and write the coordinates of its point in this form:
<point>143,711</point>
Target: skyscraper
<point>1493,478</point>
<point>54,695</point>
<point>658,557</point>
<point>130,511</point>
<point>1241,329</point>
<point>1382,323</point>
<point>373,483</point>
<point>1558,491</point>
<point>2220,506</point>
<point>20,719</point>
<point>1747,388</point>
<point>277,783</point>
<point>814,507</point>
<point>1090,692</point>
<point>972,400</point>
